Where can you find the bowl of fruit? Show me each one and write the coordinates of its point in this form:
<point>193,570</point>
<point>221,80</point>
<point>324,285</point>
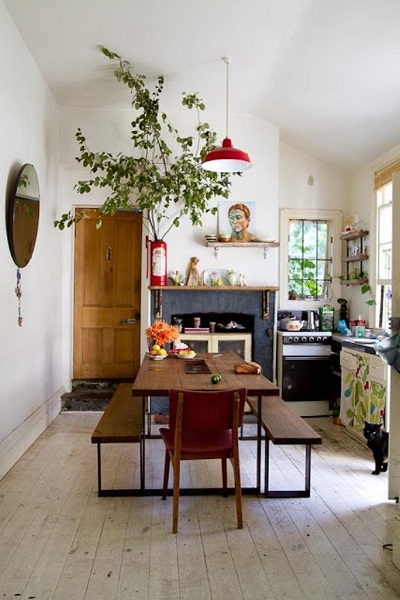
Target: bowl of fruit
<point>181,350</point>
<point>186,354</point>
<point>156,352</point>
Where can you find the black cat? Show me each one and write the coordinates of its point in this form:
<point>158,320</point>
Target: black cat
<point>378,442</point>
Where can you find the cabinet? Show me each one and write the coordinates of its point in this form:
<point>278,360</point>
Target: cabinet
<point>364,383</point>
<point>219,342</point>
<point>355,255</point>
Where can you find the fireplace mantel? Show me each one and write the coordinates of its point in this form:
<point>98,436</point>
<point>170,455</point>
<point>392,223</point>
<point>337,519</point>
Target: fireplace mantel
<point>215,288</point>
<point>159,289</point>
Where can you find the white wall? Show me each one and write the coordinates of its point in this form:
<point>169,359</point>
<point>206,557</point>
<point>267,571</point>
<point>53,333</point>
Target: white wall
<point>30,368</point>
<point>305,182</point>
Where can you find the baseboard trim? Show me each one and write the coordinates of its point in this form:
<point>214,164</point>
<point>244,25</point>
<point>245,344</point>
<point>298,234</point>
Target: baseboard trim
<point>19,440</point>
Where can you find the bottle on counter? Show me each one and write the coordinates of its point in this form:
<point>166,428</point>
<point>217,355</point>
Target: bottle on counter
<point>360,327</point>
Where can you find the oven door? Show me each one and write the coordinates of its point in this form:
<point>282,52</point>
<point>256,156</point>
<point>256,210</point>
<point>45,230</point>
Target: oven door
<point>305,378</point>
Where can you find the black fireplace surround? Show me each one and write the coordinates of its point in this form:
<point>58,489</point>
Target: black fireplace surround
<point>245,308</point>
<point>226,322</point>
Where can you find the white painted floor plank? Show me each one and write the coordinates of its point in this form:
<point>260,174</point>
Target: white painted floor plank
<point>59,541</point>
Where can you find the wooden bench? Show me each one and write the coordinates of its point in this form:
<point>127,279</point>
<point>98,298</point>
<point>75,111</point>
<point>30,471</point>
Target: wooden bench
<point>120,423</point>
<point>282,425</point>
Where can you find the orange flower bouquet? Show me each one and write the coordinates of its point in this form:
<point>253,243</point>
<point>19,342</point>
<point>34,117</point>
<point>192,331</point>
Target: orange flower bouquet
<point>161,333</point>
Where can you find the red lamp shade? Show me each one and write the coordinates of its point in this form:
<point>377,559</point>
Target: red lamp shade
<point>226,159</point>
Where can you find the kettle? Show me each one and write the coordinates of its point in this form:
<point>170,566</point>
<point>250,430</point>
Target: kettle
<point>292,324</point>
<point>312,325</point>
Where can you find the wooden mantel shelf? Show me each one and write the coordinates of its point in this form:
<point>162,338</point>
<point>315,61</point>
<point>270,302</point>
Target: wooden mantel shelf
<point>215,288</point>
<point>264,293</point>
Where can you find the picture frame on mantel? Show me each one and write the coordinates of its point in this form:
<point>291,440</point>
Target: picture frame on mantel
<point>225,224</point>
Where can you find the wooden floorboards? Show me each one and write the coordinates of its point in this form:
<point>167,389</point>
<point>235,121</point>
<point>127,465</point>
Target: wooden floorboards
<point>59,541</point>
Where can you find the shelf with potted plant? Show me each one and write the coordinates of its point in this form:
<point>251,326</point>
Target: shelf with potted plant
<point>355,253</point>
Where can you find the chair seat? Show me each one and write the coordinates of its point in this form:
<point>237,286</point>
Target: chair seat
<point>210,444</point>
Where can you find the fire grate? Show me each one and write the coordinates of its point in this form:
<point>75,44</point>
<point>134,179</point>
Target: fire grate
<point>197,366</point>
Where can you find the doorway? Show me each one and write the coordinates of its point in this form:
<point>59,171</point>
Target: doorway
<point>107,285</point>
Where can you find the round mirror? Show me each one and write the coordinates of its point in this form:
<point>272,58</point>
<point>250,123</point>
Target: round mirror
<point>23,215</point>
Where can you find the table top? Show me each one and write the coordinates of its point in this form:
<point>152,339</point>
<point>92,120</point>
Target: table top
<point>156,378</point>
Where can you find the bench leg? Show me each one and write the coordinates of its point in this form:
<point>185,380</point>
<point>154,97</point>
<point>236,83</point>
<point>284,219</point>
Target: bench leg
<point>308,471</point>
<point>266,468</point>
<point>142,445</point>
<point>99,469</point>
<point>288,493</point>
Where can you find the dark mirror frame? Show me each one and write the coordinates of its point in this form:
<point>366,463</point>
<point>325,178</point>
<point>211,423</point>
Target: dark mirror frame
<point>22,215</point>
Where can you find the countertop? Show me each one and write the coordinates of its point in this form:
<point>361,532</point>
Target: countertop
<point>348,341</point>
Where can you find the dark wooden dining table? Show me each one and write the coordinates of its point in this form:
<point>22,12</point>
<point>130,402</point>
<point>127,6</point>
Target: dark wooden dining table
<point>158,377</point>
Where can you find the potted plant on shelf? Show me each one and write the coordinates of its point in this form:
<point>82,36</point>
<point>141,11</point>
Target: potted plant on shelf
<point>163,185</point>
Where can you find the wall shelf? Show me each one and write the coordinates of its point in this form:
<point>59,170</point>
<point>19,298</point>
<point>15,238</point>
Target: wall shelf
<point>358,257</point>
<point>264,245</point>
<point>354,281</point>
<point>354,254</point>
<point>354,235</point>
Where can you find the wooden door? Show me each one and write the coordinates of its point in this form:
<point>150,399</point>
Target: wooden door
<point>107,296</point>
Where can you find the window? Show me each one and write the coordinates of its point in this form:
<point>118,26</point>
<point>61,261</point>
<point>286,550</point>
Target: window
<point>384,254</point>
<point>310,251</point>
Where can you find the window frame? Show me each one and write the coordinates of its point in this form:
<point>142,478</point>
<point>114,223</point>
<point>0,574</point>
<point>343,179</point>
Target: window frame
<point>380,206</point>
<point>383,284</point>
<point>334,217</point>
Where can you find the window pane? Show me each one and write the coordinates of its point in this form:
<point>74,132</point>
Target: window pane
<point>309,260</point>
<point>385,224</point>
<point>296,239</point>
<point>385,261</point>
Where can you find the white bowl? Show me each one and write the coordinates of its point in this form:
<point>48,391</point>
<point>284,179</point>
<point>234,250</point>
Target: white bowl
<point>185,356</point>
<point>157,356</point>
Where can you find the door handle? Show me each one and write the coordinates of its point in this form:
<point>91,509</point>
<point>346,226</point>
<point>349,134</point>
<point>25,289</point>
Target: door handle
<point>128,321</point>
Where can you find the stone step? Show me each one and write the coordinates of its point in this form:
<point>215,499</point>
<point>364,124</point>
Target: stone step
<point>89,395</point>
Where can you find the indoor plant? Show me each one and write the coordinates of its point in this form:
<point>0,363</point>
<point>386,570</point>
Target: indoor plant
<point>164,186</point>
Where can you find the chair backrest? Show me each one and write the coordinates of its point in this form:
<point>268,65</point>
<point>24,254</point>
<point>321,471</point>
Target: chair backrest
<point>207,411</point>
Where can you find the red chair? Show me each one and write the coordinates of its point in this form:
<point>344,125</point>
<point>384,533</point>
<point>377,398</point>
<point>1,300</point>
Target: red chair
<point>203,425</point>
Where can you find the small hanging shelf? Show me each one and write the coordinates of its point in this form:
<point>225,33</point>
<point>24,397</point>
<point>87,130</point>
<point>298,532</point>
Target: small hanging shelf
<point>264,245</point>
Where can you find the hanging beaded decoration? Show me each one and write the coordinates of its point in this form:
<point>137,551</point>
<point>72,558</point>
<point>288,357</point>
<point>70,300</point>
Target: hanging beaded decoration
<point>18,293</point>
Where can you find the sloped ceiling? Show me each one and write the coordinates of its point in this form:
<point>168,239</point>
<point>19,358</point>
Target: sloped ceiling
<point>327,73</point>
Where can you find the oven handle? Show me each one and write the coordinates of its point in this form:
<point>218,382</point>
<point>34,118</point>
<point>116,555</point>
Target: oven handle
<point>306,357</point>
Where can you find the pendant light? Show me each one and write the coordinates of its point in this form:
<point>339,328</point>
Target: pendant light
<point>226,159</point>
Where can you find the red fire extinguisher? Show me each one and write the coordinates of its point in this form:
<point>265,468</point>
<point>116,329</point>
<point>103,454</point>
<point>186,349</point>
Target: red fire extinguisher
<point>157,259</point>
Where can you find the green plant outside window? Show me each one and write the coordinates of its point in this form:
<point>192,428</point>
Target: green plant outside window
<point>309,268</point>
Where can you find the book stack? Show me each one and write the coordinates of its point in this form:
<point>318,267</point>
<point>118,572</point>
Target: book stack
<point>196,330</point>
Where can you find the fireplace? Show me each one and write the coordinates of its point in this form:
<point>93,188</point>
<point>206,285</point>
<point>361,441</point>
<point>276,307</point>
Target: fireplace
<point>253,308</point>
<point>225,322</point>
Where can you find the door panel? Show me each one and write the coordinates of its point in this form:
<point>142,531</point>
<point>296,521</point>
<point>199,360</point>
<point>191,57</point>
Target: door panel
<point>107,296</point>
